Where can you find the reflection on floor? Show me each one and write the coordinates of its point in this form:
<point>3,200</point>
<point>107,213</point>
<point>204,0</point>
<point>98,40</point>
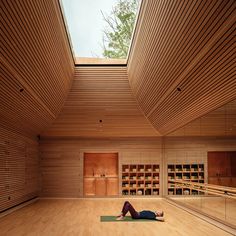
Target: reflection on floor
<point>219,207</point>
<point>82,217</point>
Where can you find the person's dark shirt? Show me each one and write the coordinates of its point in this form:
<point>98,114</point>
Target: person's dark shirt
<point>147,215</point>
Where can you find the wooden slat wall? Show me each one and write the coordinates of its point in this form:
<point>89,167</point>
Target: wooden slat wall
<point>36,64</point>
<point>36,71</point>
<point>100,93</point>
<point>187,45</point>
<point>19,169</point>
<point>221,123</point>
<point>62,160</point>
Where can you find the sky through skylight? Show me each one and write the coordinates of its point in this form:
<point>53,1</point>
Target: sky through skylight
<point>86,24</point>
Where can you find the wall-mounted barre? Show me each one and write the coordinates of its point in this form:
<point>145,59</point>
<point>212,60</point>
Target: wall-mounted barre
<point>223,191</point>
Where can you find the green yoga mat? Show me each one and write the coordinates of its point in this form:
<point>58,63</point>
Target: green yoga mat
<point>127,218</point>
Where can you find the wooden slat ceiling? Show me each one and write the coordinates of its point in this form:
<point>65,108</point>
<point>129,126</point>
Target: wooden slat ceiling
<point>220,122</point>
<point>178,44</point>
<point>187,46</point>
<point>36,64</point>
<point>100,93</point>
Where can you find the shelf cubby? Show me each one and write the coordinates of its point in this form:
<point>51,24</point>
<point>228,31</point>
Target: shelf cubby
<point>186,172</point>
<point>140,179</point>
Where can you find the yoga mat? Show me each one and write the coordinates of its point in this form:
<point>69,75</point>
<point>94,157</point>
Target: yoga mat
<point>127,218</point>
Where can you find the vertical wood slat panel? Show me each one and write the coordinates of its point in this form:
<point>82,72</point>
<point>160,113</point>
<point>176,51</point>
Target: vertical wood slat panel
<point>19,169</point>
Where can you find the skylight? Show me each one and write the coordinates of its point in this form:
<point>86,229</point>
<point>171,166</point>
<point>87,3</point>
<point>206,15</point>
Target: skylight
<point>100,29</point>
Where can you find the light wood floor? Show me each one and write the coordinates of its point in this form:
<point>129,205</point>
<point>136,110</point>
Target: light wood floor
<point>82,217</point>
<point>219,207</point>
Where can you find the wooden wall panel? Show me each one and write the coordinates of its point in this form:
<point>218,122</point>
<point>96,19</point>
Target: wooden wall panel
<point>62,161</point>
<point>181,64</point>
<point>36,64</point>
<point>100,93</point>
<point>19,169</point>
<point>61,172</point>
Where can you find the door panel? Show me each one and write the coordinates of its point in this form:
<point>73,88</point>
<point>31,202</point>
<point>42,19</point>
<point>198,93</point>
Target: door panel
<point>89,186</point>
<point>112,186</point>
<point>100,187</point>
<point>221,168</point>
<point>233,163</point>
<point>219,164</point>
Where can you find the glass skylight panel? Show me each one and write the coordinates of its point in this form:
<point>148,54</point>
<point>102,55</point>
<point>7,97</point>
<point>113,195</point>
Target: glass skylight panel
<point>100,28</point>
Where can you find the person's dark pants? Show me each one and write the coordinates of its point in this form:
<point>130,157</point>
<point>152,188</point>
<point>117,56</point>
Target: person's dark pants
<point>128,207</point>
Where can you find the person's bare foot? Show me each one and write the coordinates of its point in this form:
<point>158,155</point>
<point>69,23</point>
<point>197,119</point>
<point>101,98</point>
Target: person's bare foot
<point>120,217</point>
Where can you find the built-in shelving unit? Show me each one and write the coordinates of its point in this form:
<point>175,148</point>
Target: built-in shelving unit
<point>185,172</point>
<point>140,179</point>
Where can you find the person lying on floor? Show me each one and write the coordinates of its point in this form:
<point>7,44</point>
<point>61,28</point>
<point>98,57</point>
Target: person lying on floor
<point>152,215</point>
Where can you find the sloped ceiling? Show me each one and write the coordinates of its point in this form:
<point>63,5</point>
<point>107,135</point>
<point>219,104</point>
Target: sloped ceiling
<point>220,122</point>
<point>100,104</point>
<point>182,61</point>
<point>36,64</point>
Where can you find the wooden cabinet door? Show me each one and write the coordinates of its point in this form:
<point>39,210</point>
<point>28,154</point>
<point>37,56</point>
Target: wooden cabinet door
<point>222,181</point>
<point>101,167</point>
<point>213,180</point>
<point>100,186</point>
<point>233,182</point>
<point>97,164</point>
<point>89,186</point>
<point>221,168</point>
<point>225,181</point>
<point>233,163</point>
<point>112,186</point>
<point>219,164</point>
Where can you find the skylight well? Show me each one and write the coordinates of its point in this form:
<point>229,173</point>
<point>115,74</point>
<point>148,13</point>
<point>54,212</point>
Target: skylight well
<point>100,31</point>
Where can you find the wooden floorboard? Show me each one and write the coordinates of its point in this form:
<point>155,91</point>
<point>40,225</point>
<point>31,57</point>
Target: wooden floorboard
<point>82,217</point>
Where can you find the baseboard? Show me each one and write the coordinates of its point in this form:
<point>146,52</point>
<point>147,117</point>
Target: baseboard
<point>97,198</point>
<point>17,207</point>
